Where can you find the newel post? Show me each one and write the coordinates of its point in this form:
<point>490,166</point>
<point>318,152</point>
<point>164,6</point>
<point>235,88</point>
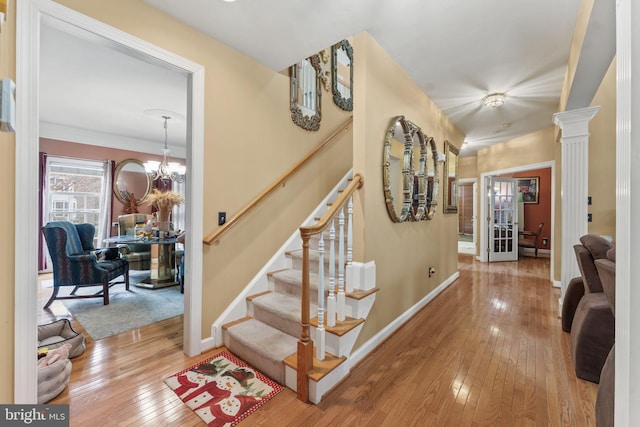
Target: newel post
<point>305,345</point>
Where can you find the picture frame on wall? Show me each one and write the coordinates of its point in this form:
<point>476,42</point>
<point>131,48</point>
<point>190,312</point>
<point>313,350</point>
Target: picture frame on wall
<point>530,189</point>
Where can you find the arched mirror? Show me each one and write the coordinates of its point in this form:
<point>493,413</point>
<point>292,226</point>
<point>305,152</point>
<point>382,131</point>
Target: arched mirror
<point>306,94</point>
<point>131,179</point>
<point>342,75</point>
<point>397,172</point>
<point>451,178</point>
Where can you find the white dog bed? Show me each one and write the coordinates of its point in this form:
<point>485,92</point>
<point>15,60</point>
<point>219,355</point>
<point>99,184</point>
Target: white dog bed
<point>53,335</point>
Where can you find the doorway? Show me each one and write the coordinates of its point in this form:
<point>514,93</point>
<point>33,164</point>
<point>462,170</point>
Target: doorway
<point>467,229</point>
<point>483,225</point>
<point>29,17</point>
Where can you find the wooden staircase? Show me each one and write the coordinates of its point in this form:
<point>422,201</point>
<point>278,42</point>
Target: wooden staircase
<point>267,334</point>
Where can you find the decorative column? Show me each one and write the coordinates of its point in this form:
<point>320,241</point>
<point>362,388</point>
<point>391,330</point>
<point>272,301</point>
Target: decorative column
<point>574,189</point>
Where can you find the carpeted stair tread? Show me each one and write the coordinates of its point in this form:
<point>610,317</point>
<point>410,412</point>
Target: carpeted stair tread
<point>261,345</point>
<point>294,277</point>
<point>281,311</point>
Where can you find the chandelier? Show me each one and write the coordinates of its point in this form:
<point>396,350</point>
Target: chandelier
<point>165,170</point>
<point>493,100</point>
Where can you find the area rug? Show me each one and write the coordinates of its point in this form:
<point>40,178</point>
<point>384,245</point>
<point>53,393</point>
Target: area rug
<point>223,390</point>
<point>127,310</point>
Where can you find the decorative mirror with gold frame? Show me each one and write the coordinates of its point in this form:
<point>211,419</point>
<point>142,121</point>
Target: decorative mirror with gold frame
<point>130,179</point>
<point>410,194</point>
<point>342,75</point>
<point>451,153</point>
<point>306,93</point>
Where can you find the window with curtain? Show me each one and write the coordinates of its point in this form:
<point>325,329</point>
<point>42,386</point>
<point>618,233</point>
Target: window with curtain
<point>79,191</point>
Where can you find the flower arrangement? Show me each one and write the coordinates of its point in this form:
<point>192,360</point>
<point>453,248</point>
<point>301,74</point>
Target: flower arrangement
<point>164,201</point>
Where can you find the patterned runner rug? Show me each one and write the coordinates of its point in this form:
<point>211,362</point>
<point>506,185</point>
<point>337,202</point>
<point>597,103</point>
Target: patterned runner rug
<point>223,390</point>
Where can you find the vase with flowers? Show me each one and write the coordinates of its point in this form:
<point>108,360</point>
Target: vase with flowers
<point>164,201</point>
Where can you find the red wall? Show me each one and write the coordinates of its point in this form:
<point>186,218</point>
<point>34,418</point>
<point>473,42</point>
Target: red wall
<point>92,152</point>
<point>535,213</point>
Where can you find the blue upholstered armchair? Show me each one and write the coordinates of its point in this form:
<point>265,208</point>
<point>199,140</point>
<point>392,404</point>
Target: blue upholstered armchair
<point>75,260</point>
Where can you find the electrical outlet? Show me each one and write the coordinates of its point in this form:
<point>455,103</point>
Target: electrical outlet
<point>544,241</point>
<point>222,218</point>
<point>432,271</point>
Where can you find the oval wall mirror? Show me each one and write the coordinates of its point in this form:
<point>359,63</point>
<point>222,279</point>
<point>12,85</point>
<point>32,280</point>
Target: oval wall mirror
<point>131,179</point>
<point>410,190</point>
<point>451,178</point>
<point>342,75</point>
<point>397,171</point>
<point>432,180</point>
<point>306,94</point>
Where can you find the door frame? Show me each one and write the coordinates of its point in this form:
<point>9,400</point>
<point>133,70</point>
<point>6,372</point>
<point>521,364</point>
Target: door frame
<point>482,223</point>
<point>28,18</point>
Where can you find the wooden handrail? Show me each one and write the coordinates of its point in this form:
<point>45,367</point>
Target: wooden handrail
<point>324,222</point>
<point>305,345</point>
<point>217,234</point>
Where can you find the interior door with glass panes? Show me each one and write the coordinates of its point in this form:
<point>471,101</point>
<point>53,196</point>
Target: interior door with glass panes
<point>503,219</point>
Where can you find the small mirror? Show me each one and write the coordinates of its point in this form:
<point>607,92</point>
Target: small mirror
<point>451,178</point>
<point>342,76</point>
<point>397,171</point>
<point>131,179</point>
<point>306,94</point>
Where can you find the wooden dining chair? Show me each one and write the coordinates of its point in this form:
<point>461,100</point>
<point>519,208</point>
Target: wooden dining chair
<point>525,240</point>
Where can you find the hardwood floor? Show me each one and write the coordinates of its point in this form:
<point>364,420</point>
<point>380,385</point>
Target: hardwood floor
<point>489,350</point>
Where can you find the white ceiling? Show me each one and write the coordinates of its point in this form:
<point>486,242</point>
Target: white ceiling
<point>456,51</point>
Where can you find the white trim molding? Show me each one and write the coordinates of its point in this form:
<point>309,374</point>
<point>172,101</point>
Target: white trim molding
<point>627,392</point>
<point>574,192</point>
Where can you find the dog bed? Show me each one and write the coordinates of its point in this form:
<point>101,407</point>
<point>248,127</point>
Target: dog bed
<point>53,335</point>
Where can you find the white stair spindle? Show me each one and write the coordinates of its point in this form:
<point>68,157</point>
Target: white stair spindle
<point>331,299</point>
<point>349,271</point>
<point>320,331</point>
<point>341,295</point>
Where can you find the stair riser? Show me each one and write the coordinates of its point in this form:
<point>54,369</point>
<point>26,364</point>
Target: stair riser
<point>274,369</point>
<point>339,345</point>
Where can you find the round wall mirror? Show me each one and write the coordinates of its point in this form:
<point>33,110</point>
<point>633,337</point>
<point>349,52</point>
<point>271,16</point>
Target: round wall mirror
<point>410,189</point>
<point>131,179</point>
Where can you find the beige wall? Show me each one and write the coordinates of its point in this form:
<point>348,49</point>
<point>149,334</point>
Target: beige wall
<point>533,148</point>
<point>602,157</point>
<point>402,252</point>
<point>7,215</point>
<point>468,167</point>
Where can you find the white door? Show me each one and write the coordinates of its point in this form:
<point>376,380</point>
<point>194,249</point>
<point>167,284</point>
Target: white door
<point>503,219</point>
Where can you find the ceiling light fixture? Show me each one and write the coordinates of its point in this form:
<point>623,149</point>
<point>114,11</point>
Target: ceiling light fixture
<point>493,100</point>
<point>165,170</point>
